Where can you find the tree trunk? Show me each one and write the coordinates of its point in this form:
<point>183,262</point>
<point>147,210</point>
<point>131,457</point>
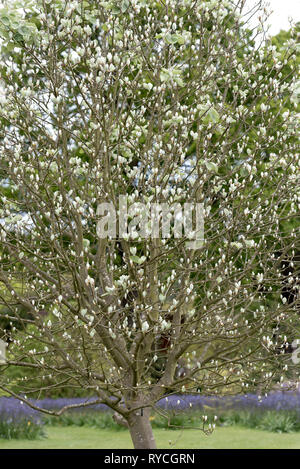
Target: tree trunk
<point>141,430</point>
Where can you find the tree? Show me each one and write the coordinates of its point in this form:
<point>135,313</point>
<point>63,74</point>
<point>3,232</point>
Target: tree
<point>153,106</point>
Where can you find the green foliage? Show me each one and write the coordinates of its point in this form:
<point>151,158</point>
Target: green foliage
<point>179,420</point>
<point>268,421</point>
<point>101,420</point>
<point>15,28</point>
<point>272,421</point>
<point>104,420</point>
<point>242,418</point>
<point>280,422</point>
<point>21,429</point>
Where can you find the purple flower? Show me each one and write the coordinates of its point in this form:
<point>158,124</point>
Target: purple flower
<point>14,409</point>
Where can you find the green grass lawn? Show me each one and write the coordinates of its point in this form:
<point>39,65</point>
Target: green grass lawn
<point>229,437</point>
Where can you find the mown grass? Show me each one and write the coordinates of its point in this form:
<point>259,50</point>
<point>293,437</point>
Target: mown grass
<point>94,438</point>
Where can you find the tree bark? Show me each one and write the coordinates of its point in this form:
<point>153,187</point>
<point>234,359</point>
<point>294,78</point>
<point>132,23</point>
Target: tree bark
<point>141,430</point>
